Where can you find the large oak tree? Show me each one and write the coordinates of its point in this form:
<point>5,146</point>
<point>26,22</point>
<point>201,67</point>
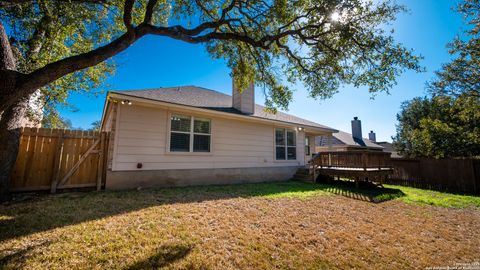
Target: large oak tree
<point>58,45</point>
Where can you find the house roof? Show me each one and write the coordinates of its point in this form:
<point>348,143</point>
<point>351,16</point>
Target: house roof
<point>203,98</point>
<point>388,147</point>
<point>343,138</point>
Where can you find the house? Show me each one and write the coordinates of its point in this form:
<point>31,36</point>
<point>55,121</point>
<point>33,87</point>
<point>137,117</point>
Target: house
<point>343,141</point>
<point>188,135</point>
<point>388,147</point>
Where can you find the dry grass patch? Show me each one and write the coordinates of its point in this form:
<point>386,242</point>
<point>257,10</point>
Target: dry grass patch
<point>260,226</point>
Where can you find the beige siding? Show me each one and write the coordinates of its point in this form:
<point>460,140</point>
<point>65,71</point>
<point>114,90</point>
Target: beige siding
<point>141,137</point>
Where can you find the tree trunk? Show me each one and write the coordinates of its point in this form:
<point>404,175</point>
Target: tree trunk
<point>10,124</point>
<point>9,121</point>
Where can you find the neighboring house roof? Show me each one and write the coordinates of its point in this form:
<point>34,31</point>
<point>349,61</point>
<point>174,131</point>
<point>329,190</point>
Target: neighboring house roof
<point>199,97</point>
<point>346,139</point>
<point>388,147</point>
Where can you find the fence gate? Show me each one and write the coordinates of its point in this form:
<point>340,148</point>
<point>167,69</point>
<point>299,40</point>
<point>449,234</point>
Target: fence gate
<point>51,159</point>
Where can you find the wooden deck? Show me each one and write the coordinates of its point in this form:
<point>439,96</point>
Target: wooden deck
<point>359,165</point>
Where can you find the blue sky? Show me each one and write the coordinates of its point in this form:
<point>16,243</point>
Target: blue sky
<point>160,62</point>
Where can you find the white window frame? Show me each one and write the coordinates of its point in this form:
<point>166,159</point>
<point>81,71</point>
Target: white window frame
<point>286,146</point>
<point>191,134</point>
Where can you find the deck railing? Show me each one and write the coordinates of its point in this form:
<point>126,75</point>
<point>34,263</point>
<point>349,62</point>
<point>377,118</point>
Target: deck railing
<point>352,159</point>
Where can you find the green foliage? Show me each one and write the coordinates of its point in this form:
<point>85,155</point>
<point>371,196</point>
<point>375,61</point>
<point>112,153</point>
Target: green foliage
<point>275,44</point>
<point>461,75</point>
<point>52,119</point>
<point>448,123</point>
<point>439,127</point>
<point>353,50</point>
<point>47,31</point>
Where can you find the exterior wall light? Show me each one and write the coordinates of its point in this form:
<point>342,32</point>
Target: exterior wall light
<point>300,128</point>
<point>126,101</point>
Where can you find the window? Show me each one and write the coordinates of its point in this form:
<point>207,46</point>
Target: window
<point>189,134</point>
<point>285,144</point>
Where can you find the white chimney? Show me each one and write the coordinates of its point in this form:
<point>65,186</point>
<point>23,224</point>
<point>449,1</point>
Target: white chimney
<point>244,101</point>
<point>371,136</point>
<point>356,128</point>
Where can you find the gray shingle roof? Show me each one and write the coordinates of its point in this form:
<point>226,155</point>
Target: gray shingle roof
<point>209,99</point>
<point>344,138</point>
<point>388,147</point>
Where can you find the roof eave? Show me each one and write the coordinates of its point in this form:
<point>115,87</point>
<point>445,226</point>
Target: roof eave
<point>115,94</point>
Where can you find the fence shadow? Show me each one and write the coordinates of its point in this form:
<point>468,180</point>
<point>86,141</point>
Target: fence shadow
<point>366,192</point>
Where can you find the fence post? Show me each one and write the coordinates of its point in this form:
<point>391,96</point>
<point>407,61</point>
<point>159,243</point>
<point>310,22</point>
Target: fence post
<point>474,176</point>
<point>100,161</point>
<point>56,163</point>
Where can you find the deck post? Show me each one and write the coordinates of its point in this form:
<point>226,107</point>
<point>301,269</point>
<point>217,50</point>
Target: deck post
<point>329,142</point>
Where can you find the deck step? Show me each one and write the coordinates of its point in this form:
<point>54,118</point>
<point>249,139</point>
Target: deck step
<point>303,171</point>
<point>302,175</point>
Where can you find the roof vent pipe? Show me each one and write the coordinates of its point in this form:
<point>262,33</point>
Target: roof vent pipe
<point>372,136</point>
<point>356,128</point>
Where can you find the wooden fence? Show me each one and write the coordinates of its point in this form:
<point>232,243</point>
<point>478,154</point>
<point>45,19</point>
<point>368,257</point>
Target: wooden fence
<point>452,175</point>
<point>51,159</point>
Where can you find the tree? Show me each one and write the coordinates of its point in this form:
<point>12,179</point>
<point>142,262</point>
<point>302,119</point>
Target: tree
<point>321,43</point>
<point>439,127</point>
<point>448,123</point>
<point>54,120</point>
<point>462,75</point>
<point>96,125</point>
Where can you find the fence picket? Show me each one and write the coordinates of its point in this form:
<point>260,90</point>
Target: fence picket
<point>46,155</point>
<point>452,175</point>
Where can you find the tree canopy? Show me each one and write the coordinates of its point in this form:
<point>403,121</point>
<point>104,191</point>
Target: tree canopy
<point>447,124</point>
<point>62,45</point>
<point>462,74</point>
<point>439,127</point>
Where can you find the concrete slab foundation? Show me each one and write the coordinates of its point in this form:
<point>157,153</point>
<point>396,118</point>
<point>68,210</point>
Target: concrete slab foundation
<point>192,177</point>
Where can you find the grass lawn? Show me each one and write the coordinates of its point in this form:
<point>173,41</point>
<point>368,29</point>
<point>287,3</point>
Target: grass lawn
<point>289,225</point>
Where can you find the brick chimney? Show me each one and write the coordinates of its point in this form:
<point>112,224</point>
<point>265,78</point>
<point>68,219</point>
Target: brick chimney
<point>356,128</point>
<point>372,136</point>
<point>244,101</point>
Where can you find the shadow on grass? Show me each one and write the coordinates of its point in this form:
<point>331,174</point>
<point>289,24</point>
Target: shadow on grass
<point>366,192</point>
<point>45,212</point>
<point>163,256</point>
<point>16,259</point>
<point>32,213</point>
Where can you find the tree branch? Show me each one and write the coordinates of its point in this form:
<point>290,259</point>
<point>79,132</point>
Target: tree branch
<point>28,83</point>
<point>149,11</point>
<point>7,61</point>
<point>12,3</point>
<point>127,15</point>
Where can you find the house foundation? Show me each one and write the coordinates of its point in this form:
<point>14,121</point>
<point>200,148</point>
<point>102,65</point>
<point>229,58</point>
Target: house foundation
<point>192,177</point>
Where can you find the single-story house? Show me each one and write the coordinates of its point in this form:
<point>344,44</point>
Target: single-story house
<point>388,147</point>
<point>343,141</point>
<point>189,135</point>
